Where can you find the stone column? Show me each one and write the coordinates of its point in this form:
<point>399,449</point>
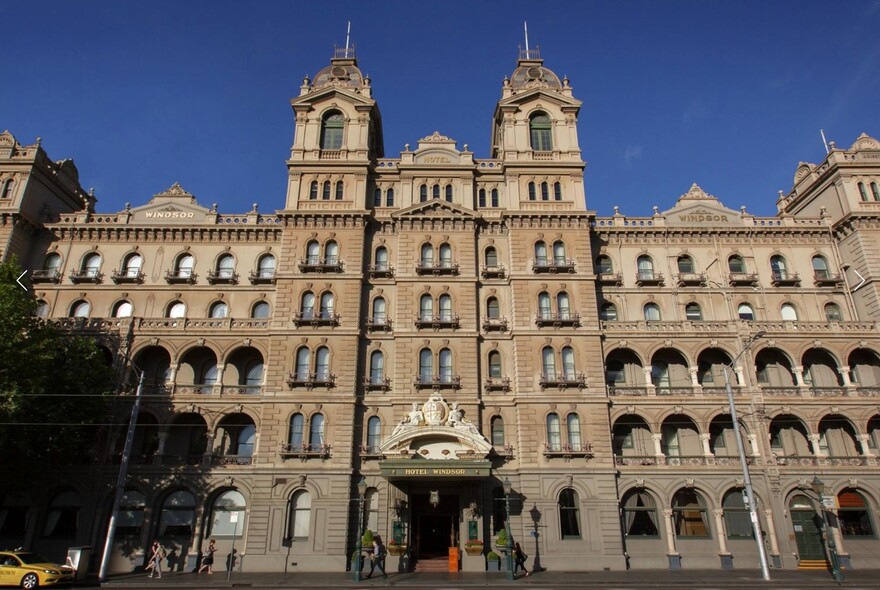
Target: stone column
<point>754,449</point>
<point>218,385</point>
<point>671,553</point>
<point>799,376</point>
<point>740,376</point>
<point>817,448</point>
<point>774,540</point>
<point>864,441</point>
<point>723,553</point>
<point>209,451</point>
<point>160,450</point>
<point>172,376</point>
<point>695,382</point>
<point>648,383</point>
<point>658,449</point>
<point>707,450</point>
<point>844,375</point>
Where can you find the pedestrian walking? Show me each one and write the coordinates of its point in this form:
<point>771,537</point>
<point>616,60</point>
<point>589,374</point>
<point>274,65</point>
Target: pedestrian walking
<point>520,558</point>
<point>157,554</point>
<point>230,560</point>
<point>377,558</point>
<point>208,558</point>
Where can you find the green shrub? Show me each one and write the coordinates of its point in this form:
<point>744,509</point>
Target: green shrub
<point>502,537</point>
<point>493,556</point>
<point>367,539</point>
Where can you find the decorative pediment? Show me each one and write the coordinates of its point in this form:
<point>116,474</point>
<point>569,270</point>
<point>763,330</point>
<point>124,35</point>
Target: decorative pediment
<point>698,208</point>
<point>434,208</point>
<point>7,139</point>
<point>865,142</point>
<point>175,190</point>
<point>438,431</point>
<point>804,169</point>
<point>527,96</point>
<point>327,92</point>
<point>173,205</point>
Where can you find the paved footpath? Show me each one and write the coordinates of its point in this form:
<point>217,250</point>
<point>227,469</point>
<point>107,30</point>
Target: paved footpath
<point>622,580</point>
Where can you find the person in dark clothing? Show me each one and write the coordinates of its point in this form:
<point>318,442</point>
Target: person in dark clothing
<point>377,558</point>
<point>519,557</point>
<point>230,560</point>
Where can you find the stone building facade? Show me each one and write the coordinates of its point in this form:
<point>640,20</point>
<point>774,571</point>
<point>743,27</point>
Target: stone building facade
<point>433,324</point>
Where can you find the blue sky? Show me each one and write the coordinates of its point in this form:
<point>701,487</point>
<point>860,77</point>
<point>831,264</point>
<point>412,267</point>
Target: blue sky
<point>730,95</point>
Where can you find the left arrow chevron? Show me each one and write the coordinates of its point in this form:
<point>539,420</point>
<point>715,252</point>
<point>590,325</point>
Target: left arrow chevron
<point>18,280</point>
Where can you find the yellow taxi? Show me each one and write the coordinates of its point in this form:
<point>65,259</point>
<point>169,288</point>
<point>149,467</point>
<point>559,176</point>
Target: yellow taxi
<point>29,570</point>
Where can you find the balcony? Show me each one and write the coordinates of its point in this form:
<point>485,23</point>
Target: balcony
<point>191,460</point>
<point>568,451</point>
<point>647,278</point>
<point>562,380</point>
<point>320,265</point>
<point>630,460</point>
<point>310,318</point>
<point>795,460</point>
<point>685,460</point>
<point>557,320</point>
<point>497,384</point>
<point>783,279</point>
<point>614,390</point>
<point>86,276</point>
<point>193,389</point>
<point>304,451</point>
<point>826,279</point>
<point>691,279</point>
<point>262,277</point>
<point>610,279</point>
<point>127,277</point>
<point>311,380</point>
<point>553,265</point>
<point>495,324</point>
<point>241,390</point>
<point>442,268</point>
<point>437,382</point>
<point>493,272</point>
<point>45,276</point>
<point>380,271</point>
<point>503,451</point>
<point>378,324</point>
<point>377,383</point>
<point>181,277</point>
<point>438,322</point>
<point>229,460</point>
<point>222,277</point>
<point>675,391</point>
<point>743,279</point>
<point>370,452</point>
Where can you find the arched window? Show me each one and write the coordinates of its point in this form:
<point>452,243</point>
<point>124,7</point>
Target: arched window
<point>532,195</point>
<point>7,190</point>
<point>545,191</point>
<point>862,192</point>
<point>568,369</point>
<point>131,266</point>
<point>449,193</point>
<point>377,197</point>
<point>207,374</point>
<point>91,266</point>
<point>423,193</point>
<point>130,517</point>
<point>295,436</point>
<point>176,309</point>
<point>218,310</point>
<point>377,367</point>
<point>693,312</point>
<point>226,266</point>
<point>573,425</point>
<point>374,434</point>
<point>495,364</point>
<point>569,514</point>
<point>313,252</point>
<point>778,268</point>
<point>426,308</point>
<point>331,131</point>
<point>379,313</point>
<point>554,437</point>
<point>493,310</point>
<point>559,253</point>
<point>497,428</point>
<point>313,190</point>
<point>685,264</point>
<point>563,306</point>
<point>381,258</point>
<point>652,312</point>
<point>745,312</point>
<point>544,311</point>
<point>266,266</point>
<point>557,191</point>
<point>435,191</point>
<point>300,515</point>
<point>122,309</point>
<point>445,365</point>
<point>736,515</point>
<point>260,310</point>
<point>322,363</point>
<point>325,191</point>
<point>62,519</point>
<point>331,253</point>
<point>253,373</point>
<point>52,264</point>
<point>604,265</point>
<point>495,197</point>
<point>646,268</point>
<point>340,190</point>
<point>540,132</point>
<point>307,307</point>
<point>548,362</point>
<point>327,306</point>
<point>223,523</point>
<point>853,515</point>
<point>481,197</point>
<point>540,253</point>
<point>491,257</point>
<point>389,197</point>
<point>820,268</point>
<point>184,266</point>
<point>639,514</point>
<point>833,313</point>
<point>789,312</point>
<point>426,365</point>
<point>689,514</point>
<point>303,363</point>
<point>445,307</point>
<point>427,255</point>
<point>178,516</point>
<point>608,312</point>
<point>445,256</point>
<point>875,190</point>
<point>316,432</point>
<point>736,264</point>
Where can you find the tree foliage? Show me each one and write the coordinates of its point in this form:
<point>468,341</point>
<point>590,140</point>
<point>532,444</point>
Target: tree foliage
<point>55,386</point>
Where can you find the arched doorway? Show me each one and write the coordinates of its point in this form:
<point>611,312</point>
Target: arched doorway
<point>807,525</point>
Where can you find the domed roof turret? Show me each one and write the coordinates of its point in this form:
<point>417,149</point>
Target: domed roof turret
<point>530,73</point>
<point>342,72</point>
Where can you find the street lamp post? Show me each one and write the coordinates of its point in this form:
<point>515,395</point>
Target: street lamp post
<point>358,548</point>
<point>747,479</point>
<point>509,547</point>
<point>819,487</point>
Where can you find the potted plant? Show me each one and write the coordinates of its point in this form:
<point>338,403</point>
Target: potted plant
<point>367,540</point>
<point>493,562</point>
<point>395,547</point>
<point>501,541</point>
<point>473,547</point>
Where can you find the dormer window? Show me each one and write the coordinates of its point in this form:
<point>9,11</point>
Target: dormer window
<point>331,131</point>
<point>540,132</point>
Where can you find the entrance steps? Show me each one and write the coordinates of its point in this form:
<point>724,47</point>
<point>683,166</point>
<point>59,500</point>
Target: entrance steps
<point>813,564</point>
<point>433,564</point>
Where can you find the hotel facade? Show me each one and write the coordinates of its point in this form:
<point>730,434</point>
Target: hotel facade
<point>433,325</point>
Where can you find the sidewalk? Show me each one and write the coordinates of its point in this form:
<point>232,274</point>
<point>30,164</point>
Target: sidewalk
<point>787,579</point>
